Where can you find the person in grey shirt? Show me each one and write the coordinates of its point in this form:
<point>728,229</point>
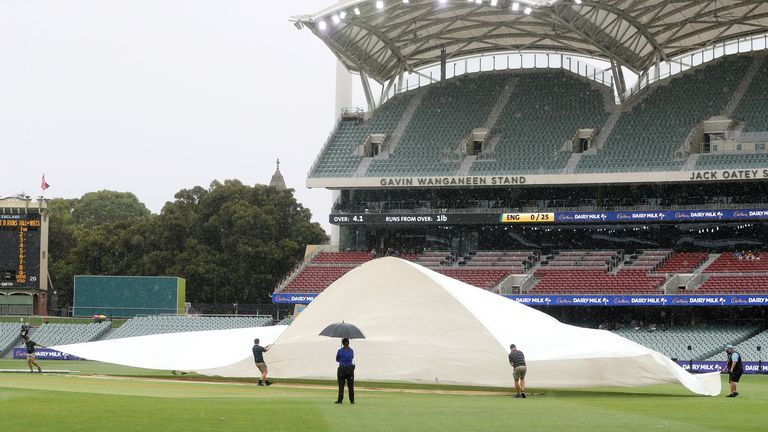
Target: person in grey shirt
<point>258,358</point>
<point>517,361</point>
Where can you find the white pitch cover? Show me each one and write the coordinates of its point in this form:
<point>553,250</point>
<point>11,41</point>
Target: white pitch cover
<point>421,327</point>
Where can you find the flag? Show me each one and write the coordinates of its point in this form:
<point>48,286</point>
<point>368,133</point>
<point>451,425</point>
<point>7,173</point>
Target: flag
<point>44,185</point>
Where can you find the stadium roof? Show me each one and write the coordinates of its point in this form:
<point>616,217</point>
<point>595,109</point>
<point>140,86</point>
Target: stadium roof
<point>387,37</point>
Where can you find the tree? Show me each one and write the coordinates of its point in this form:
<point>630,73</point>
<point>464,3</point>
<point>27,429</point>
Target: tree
<point>235,242</point>
<point>231,242</point>
<point>103,207</point>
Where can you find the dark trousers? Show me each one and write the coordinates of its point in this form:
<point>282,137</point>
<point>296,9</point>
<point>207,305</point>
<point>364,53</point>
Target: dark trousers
<point>346,374</point>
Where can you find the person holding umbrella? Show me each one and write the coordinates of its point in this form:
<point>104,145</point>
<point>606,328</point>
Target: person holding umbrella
<point>346,371</point>
<point>345,356</point>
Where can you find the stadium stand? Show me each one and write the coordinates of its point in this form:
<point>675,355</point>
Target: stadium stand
<point>158,324</point>
<point>718,284</point>
<point>447,114</point>
<point>705,342</point>
<point>753,107</point>
<point>485,278</point>
<point>353,258</point>
<point>561,272</point>
<point>434,258</point>
<point>748,348</point>
<point>589,280</point>
<point>543,113</point>
<point>64,334</point>
<point>484,269</point>
<point>647,137</point>
<point>9,334</point>
<point>740,161</point>
<point>729,262</point>
<point>323,269</point>
<point>343,153</point>
<point>647,259</point>
<point>314,279</point>
<point>644,223</point>
<point>515,261</point>
<point>682,262</point>
<point>583,259</point>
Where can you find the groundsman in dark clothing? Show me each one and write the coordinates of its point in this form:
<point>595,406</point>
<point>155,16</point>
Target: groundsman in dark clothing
<point>258,358</point>
<point>517,361</point>
<point>31,356</point>
<point>734,368</point>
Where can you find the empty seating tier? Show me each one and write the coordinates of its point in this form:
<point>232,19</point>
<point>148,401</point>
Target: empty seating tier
<point>583,260</point>
<point>65,334</point>
<point>314,279</point>
<point>647,259</point>
<point>343,153</point>
<point>143,326</point>
<point>9,334</point>
<point>647,137</point>
<point>514,261</point>
<point>481,278</point>
<point>342,257</point>
<point>674,342</point>
<point>448,112</point>
<point>683,262</point>
<point>544,111</point>
<point>748,348</point>
<point>717,284</point>
<point>591,281</point>
<point>753,107</point>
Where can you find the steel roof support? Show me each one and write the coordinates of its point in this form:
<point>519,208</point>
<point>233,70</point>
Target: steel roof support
<point>618,79</point>
<point>367,91</point>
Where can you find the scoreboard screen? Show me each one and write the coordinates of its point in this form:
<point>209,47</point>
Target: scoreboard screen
<point>19,251</point>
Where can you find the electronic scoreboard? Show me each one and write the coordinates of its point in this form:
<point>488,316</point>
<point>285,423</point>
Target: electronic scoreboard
<point>19,251</point>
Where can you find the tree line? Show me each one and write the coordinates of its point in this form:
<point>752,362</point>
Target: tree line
<point>231,242</point>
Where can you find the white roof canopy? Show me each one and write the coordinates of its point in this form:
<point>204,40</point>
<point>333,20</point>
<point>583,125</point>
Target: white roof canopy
<point>636,34</point>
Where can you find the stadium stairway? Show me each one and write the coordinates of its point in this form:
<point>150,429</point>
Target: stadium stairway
<point>717,354</point>
<point>744,85</point>
<point>391,142</point>
<point>605,131</point>
<point>710,259</point>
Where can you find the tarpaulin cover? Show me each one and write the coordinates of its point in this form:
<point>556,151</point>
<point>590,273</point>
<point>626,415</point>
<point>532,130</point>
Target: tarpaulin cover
<point>420,326</point>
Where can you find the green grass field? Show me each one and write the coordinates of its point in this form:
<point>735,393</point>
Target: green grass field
<point>117,398</point>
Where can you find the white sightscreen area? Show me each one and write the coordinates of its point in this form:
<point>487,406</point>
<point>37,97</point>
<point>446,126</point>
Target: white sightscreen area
<point>420,326</point>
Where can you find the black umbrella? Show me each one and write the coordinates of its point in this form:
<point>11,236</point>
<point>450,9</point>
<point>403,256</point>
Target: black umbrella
<point>343,330</point>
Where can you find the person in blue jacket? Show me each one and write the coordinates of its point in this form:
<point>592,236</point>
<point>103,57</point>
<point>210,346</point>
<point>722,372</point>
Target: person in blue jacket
<point>346,371</point>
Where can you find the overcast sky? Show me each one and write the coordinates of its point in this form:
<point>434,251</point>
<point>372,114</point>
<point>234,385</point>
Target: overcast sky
<point>154,96</point>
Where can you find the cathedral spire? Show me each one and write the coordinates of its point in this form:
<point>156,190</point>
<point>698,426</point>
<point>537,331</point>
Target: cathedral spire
<point>277,178</point>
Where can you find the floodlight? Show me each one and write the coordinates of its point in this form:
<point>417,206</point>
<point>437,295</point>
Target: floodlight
<point>406,1</point>
<point>357,11</point>
<point>379,4</point>
<point>322,25</point>
<point>527,10</point>
<point>342,14</point>
<point>335,19</point>
<point>577,1</point>
<point>494,2</point>
<point>479,1</point>
<point>515,6</point>
<point>443,1</point>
